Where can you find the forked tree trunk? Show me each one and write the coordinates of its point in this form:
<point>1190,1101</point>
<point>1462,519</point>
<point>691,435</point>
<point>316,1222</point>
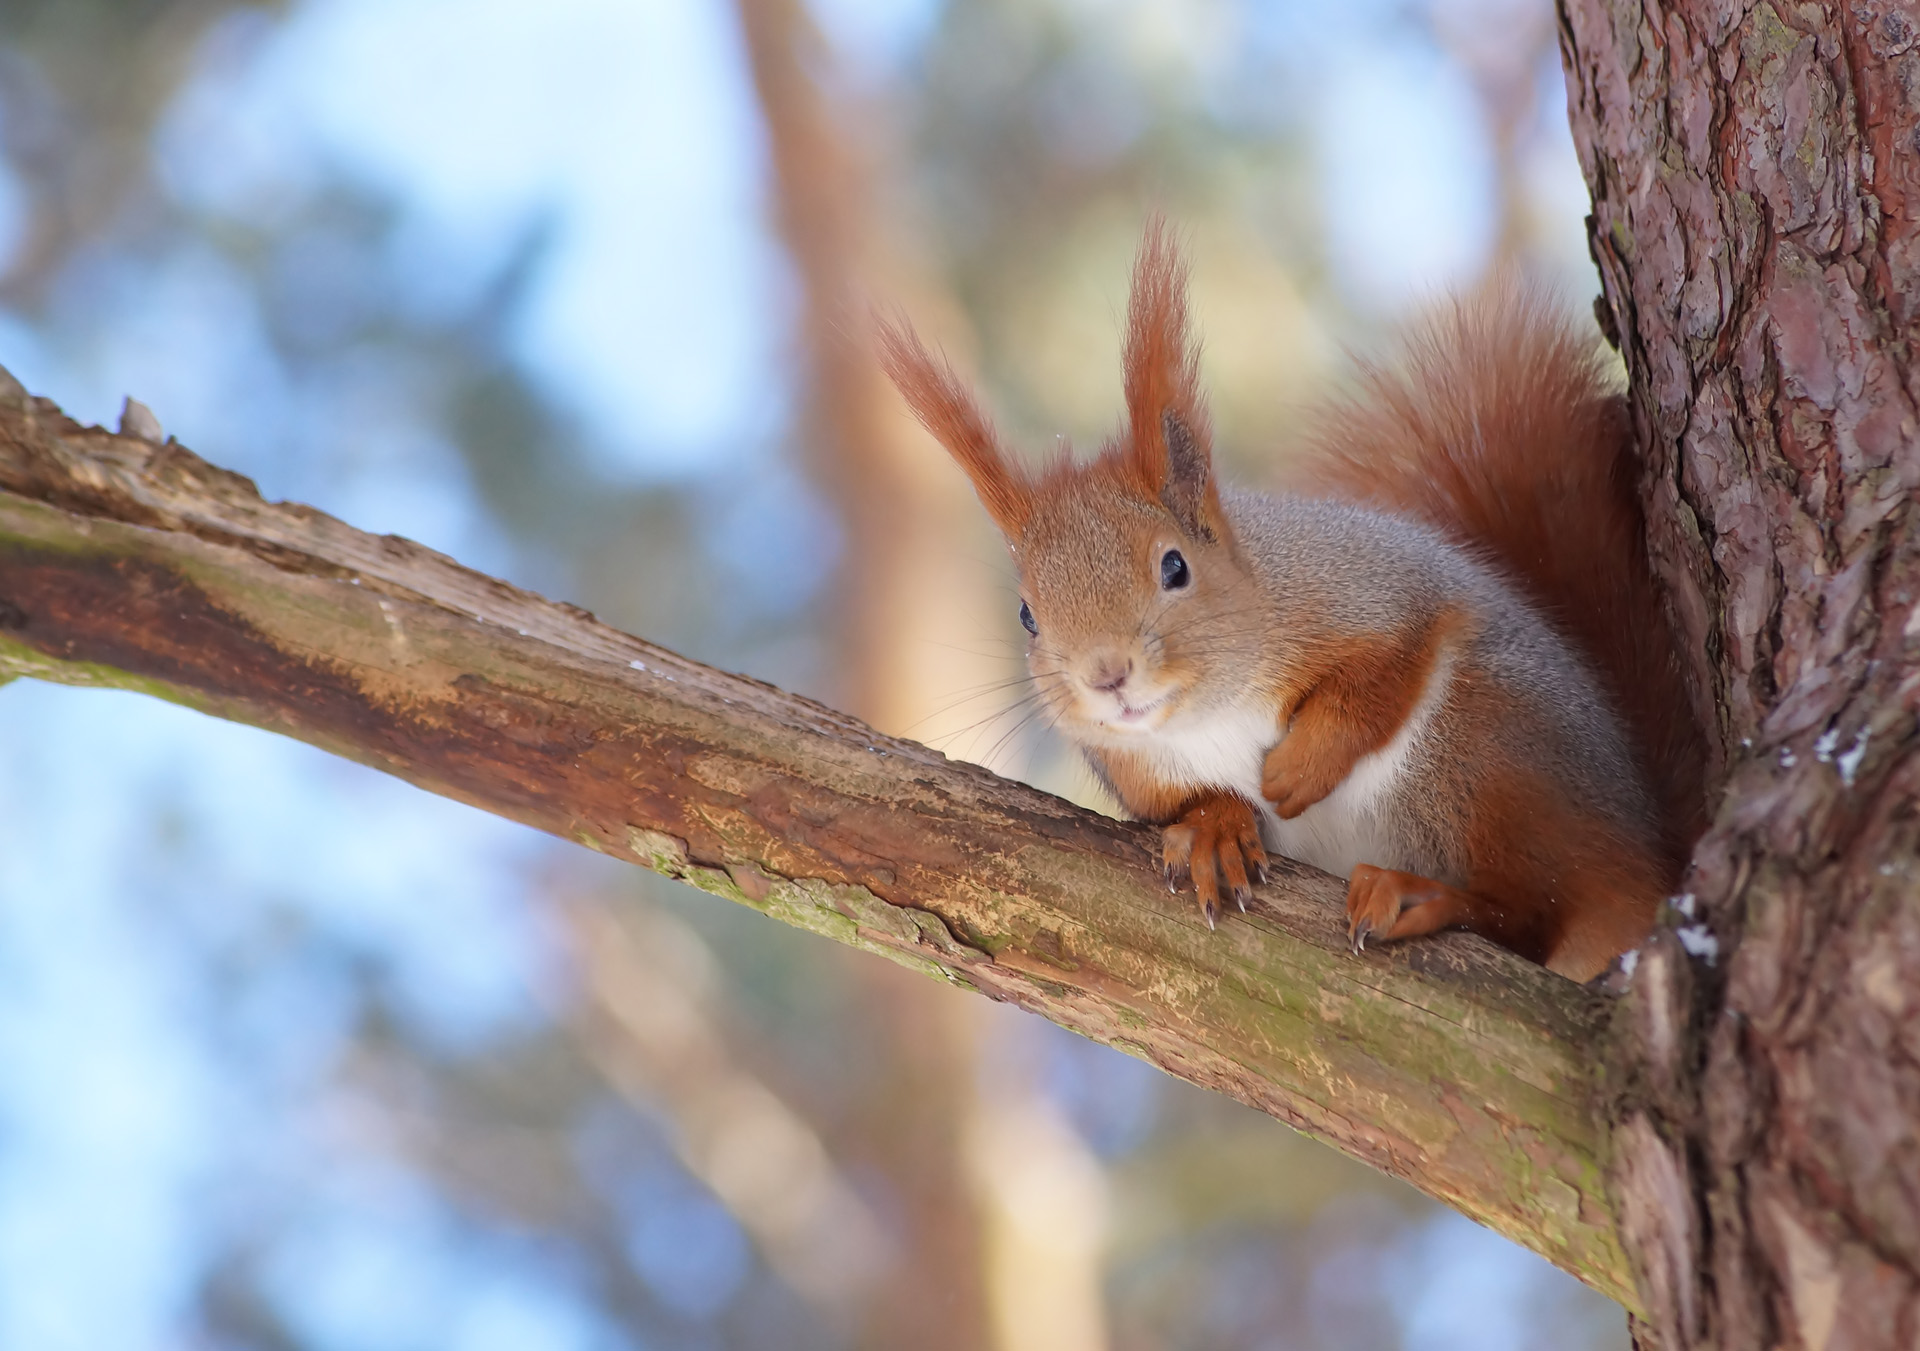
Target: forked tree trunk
<point>1756,181</point>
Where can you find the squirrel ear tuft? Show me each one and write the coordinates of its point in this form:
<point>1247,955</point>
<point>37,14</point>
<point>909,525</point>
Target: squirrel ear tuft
<point>1169,450</point>
<point>1189,492</point>
<point>947,410</point>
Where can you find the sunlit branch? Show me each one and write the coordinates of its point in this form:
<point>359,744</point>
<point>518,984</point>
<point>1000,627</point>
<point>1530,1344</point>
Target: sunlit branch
<point>1450,1064</point>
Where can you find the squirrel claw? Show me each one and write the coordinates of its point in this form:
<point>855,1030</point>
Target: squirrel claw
<point>1214,848</point>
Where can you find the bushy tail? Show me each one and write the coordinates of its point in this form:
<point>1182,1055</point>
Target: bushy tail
<point>1500,426</point>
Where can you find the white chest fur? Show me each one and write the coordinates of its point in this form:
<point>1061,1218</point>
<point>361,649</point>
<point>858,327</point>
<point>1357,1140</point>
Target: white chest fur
<point>1355,823</point>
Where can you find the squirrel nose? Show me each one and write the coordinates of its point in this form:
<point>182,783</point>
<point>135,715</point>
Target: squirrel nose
<point>1109,674</point>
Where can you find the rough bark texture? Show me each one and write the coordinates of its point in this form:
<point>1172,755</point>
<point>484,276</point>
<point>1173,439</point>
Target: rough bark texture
<point>1448,1063</point>
<point>1755,170</point>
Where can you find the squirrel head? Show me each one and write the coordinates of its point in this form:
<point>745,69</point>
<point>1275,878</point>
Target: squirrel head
<point>1140,605</point>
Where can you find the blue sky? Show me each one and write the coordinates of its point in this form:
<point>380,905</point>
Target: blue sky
<point>625,130</point>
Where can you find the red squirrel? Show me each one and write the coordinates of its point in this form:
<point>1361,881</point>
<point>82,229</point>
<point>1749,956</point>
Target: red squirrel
<point>1439,668</point>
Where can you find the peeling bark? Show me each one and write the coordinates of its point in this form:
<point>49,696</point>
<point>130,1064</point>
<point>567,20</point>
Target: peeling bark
<point>1449,1063</point>
<point>1756,179</point>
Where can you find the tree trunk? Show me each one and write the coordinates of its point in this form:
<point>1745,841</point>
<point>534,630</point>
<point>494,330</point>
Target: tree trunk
<point>1756,182</point>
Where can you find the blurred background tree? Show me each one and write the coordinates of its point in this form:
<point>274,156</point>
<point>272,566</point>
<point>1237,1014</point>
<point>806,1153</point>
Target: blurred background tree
<point>292,1055</point>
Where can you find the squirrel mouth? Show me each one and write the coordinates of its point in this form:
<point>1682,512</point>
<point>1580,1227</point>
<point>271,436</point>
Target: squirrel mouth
<point>1132,715</point>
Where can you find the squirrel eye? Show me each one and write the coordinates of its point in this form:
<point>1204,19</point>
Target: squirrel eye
<point>1026,620</point>
<point>1174,573</point>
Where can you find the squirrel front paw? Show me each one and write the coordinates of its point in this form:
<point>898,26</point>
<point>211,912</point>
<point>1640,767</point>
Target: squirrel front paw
<point>1293,778</point>
<point>1215,840</point>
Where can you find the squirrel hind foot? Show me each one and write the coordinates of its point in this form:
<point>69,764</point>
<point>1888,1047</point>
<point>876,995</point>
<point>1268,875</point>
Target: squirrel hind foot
<point>1387,905</point>
<point>1215,844</point>
<point>1579,943</point>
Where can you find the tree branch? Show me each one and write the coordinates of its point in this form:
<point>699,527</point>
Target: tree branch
<point>1448,1063</point>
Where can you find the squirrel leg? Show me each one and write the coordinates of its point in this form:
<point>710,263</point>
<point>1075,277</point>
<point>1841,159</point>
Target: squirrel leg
<point>1389,905</point>
<point>1217,838</point>
<point>1368,692</point>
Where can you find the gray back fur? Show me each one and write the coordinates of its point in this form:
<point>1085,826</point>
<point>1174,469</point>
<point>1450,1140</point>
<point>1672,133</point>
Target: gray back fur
<point>1349,569</point>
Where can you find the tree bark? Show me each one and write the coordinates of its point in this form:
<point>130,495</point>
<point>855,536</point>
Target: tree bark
<point>1448,1063</point>
<point>1756,181</point>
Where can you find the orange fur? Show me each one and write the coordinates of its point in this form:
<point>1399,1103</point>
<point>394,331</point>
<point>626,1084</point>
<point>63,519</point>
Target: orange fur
<point>1547,881</point>
<point>1145,795</point>
<point>1501,428</point>
<point>948,411</point>
<point>1566,881</point>
<point>1160,367</point>
<point>1368,689</point>
<point>1215,839</point>
<point>1208,835</point>
<point>1161,378</point>
<point>1545,877</point>
<point>1391,905</point>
